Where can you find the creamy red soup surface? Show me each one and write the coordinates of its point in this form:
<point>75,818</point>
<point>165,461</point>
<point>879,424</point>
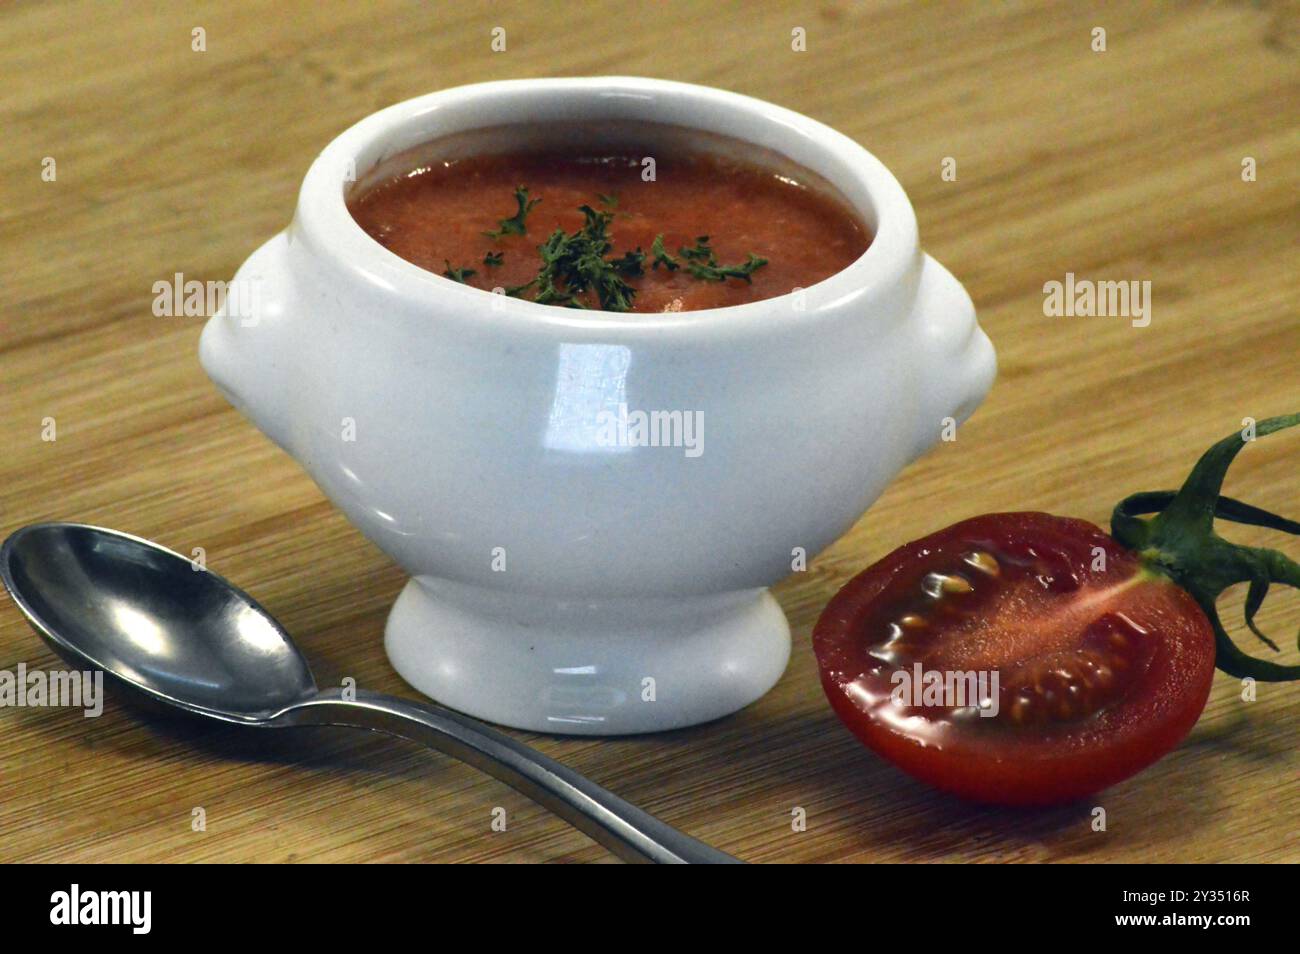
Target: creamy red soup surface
<point>706,232</point>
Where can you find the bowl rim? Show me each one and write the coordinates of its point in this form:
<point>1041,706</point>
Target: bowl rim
<point>323,221</point>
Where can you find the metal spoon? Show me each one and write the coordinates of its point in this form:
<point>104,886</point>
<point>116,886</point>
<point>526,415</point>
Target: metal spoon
<point>187,638</point>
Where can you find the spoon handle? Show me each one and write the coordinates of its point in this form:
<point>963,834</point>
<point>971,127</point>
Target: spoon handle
<point>627,831</point>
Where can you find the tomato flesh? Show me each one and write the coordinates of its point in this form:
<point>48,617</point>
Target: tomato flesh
<point>1018,659</point>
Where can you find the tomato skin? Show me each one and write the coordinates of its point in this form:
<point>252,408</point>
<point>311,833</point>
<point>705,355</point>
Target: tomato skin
<point>1022,621</point>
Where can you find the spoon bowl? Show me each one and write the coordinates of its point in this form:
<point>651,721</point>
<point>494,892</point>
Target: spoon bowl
<point>184,637</point>
<point>154,620</point>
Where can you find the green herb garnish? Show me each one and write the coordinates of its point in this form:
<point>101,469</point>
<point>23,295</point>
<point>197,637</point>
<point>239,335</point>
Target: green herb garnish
<point>703,264</point>
<point>701,251</point>
<point>575,263</point>
<point>515,224</point>
<point>661,256</point>
<point>461,275</point>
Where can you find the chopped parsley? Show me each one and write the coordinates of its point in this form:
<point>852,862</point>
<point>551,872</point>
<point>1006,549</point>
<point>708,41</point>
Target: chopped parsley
<point>661,256</point>
<point>576,263</point>
<point>515,224</point>
<point>462,275</point>
<point>703,264</point>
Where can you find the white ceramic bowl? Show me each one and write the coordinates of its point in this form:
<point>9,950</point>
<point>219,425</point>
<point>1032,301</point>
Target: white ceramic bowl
<point>561,583</point>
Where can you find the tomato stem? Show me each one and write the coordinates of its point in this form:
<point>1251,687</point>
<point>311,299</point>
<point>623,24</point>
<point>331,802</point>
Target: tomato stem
<point>1180,542</point>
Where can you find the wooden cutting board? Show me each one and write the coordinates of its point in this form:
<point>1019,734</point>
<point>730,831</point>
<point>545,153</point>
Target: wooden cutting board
<point>1123,164</point>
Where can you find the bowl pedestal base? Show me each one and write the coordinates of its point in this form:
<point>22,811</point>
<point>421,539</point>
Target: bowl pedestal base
<point>582,666</point>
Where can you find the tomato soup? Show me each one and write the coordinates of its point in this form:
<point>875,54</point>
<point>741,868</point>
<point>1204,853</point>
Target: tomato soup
<point>620,229</point>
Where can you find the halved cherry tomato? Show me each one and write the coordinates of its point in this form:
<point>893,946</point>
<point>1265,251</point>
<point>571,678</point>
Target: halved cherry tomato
<point>1102,664</point>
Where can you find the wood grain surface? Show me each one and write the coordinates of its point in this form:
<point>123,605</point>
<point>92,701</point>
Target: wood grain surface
<point>1124,164</point>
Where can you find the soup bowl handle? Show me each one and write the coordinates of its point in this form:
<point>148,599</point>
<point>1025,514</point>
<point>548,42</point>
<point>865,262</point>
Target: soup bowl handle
<point>955,360</point>
<point>244,347</point>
